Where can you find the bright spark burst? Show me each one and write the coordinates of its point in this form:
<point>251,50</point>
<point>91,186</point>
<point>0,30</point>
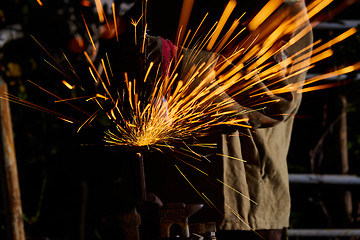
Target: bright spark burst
<point>190,107</point>
<point>186,106</point>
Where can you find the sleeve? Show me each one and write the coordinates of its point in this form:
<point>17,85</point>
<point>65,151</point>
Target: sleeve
<point>282,94</point>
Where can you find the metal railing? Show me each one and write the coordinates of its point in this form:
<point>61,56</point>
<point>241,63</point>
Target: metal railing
<point>331,179</point>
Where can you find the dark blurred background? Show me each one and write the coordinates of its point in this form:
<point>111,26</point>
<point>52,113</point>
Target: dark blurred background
<point>71,185</point>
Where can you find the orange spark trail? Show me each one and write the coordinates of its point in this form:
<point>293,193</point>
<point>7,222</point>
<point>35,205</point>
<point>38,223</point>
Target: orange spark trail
<point>338,39</point>
<point>91,39</point>
<point>184,19</point>
<point>106,74</point>
<point>182,174</point>
<point>52,94</point>
<point>224,17</point>
<point>100,10</point>
<point>320,87</point>
<point>202,21</point>
<point>144,39</point>
<point>108,61</point>
<point>238,159</point>
<point>88,121</point>
<point>317,6</point>
<point>68,85</point>
<point>28,104</point>
<point>93,76</point>
<point>264,13</point>
<point>62,71</point>
<point>242,219</point>
<point>115,22</point>
<point>135,23</point>
<point>71,67</point>
<point>225,39</point>
<point>71,99</point>
<point>344,70</point>
<point>92,65</point>
<point>148,71</point>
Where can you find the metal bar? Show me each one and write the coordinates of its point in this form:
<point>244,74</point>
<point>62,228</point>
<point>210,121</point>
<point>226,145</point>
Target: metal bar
<point>141,177</point>
<point>342,77</point>
<point>341,25</point>
<point>324,179</point>
<point>323,232</point>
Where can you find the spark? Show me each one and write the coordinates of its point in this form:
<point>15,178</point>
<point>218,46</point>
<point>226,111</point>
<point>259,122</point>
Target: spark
<point>336,40</point>
<point>62,71</point>
<point>98,74</point>
<point>108,61</point>
<point>88,121</point>
<point>135,23</point>
<point>228,35</point>
<point>191,165</point>
<point>92,75</point>
<point>57,69</point>
<point>197,29</point>
<point>197,191</point>
<point>144,39</point>
<point>317,6</point>
<point>242,219</point>
<point>101,96</point>
<point>192,151</point>
<point>100,10</point>
<point>17,100</point>
<point>320,87</point>
<point>224,17</point>
<point>144,6</point>
<point>148,71</point>
<point>211,203</point>
<point>88,32</point>
<point>66,120</point>
<point>39,2</point>
<point>335,73</point>
<point>92,64</point>
<point>235,158</point>
<point>184,19</point>
<point>72,68</point>
<point>264,13</point>
<point>237,191</point>
<point>106,74</point>
<point>71,99</point>
<point>68,85</point>
<point>54,95</point>
<point>115,24</point>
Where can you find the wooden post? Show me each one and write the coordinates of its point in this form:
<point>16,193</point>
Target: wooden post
<point>343,136</point>
<point>10,181</point>
<point>344,158</point>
